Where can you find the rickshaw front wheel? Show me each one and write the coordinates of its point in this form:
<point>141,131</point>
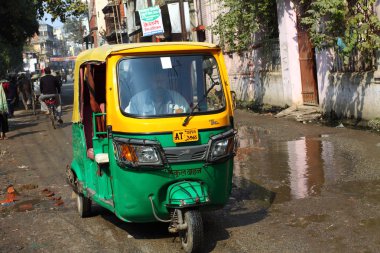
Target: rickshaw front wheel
<point>192,237</point>
<point>84,205</point>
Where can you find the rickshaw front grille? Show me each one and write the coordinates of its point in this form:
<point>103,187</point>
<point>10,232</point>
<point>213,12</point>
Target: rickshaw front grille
<point>186,154</point>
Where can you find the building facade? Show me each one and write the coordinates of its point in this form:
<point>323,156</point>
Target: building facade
<point>287,72</point>
<point>118,21</point>
<point>97,25</point>
<point>43,44</point>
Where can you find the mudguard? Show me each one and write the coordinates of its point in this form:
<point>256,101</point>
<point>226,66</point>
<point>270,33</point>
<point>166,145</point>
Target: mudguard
<point>76,169</point>
<point>187,193</point>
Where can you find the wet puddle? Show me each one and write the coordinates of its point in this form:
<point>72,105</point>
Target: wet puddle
<point>291,169</point>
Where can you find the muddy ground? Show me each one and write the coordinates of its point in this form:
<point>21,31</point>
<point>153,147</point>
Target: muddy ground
<point>297,188</point>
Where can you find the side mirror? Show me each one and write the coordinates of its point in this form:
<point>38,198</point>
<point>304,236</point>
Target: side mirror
<point>233,98</point>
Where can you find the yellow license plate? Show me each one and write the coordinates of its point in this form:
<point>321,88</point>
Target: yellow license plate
<point>185,135</point>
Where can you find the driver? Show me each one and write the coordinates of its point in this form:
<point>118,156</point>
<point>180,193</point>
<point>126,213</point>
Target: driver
<point>158,99</point>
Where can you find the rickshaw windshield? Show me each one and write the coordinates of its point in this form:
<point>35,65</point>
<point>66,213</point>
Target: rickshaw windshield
<point>170,85</point>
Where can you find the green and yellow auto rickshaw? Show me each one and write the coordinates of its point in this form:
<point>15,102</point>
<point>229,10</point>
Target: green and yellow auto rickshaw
<point>153,134</point>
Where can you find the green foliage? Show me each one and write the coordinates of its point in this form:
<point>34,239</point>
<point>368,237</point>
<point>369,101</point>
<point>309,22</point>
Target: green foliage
<point>74,29</point>
<point>19,22</point>
<point>10,58</point>
<point>61,9</point>
<point>353,21</point>
<point>240,19</point>
<point>374,124</point>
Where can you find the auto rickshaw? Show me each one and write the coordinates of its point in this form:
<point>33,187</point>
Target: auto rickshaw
<point>153,134</point>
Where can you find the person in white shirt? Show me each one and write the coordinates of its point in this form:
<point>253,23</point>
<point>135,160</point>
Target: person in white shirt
<point>157,100</point>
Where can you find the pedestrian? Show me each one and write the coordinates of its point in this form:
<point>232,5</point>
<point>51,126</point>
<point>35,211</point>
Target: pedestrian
<point>12,95</point>
<point>6,88</point>
<point>3,114</point>
<point>50,86</point>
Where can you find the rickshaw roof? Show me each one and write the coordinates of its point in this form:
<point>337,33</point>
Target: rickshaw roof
<point>102,52</point>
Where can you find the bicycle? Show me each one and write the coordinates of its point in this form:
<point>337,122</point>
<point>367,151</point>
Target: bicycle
<point>51,105</point>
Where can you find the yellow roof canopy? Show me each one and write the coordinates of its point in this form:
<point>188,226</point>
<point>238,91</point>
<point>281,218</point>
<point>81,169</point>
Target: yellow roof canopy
<point>101,53</point>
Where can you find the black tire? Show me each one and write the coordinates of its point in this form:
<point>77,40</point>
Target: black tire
<point>192,238</point>
<point>83,205</point>
<point>52,116</point>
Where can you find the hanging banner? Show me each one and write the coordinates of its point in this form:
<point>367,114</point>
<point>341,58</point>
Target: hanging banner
<point>151,21</point>
<point>175,18</point>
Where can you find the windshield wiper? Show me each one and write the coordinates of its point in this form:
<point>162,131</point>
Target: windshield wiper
<point>186,121</point>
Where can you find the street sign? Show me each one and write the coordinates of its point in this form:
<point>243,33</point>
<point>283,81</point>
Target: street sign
<point>64,58</point>
<point>151,21</point>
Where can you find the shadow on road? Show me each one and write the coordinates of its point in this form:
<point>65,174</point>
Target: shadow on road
<point>152,230</point>
<point>14,125</point>
<point>249,204</point>
<point>25,133</point>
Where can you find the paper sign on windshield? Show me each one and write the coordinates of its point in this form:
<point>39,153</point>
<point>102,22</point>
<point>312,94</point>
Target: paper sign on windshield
<point>166,63</point>
<point>151,21</point>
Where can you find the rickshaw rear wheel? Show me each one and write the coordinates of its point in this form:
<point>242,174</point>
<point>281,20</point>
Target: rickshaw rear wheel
<point>192,237</point>
<point>83,205</point>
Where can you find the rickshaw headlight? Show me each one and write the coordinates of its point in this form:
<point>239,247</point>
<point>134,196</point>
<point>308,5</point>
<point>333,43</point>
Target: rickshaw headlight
<point>134,153</point>
<point>222,147</point>
<point>147,155</point>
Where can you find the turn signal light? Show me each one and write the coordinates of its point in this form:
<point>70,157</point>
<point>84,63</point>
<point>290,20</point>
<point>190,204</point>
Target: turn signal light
<point>128,153</point>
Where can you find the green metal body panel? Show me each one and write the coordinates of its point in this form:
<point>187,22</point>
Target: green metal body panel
<point>79,151</point>
<point>126,191</point>
<point>95,179</point>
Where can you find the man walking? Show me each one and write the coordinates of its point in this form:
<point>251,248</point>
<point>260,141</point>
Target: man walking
<point>50,87</point>
<point>3,114</point>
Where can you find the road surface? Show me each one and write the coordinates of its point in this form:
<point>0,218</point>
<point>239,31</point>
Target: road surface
<point>297,188</point>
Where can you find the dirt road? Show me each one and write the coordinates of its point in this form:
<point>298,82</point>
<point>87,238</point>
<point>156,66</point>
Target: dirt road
<point>297,188</point>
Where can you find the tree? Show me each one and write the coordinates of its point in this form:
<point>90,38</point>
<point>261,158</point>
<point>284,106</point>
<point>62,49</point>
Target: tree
<point>19,22</point>
<point>352,24</point>
<point>16,26</point>
<point>239,20</point>
<point>74,28</point>
<point>60,9</point>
